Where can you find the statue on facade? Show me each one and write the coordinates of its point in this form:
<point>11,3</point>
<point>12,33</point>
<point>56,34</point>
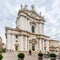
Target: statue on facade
<point>25,7</point>
<point>21,6</point>
<point>32,7</point>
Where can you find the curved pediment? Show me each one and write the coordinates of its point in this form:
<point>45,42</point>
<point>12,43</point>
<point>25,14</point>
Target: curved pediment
<point>31,14</point>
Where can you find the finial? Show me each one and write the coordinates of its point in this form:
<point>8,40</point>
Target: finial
<point>32,7</point>
<point>21,6</point>
<point>25,5</point>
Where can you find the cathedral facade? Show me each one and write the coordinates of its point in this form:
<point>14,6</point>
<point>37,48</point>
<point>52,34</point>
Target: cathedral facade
<point>29,32</point>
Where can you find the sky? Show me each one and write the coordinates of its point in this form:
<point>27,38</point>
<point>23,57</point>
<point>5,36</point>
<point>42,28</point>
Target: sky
<point>50,9</point>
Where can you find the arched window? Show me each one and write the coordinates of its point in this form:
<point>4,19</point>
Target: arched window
<point>33,29</point>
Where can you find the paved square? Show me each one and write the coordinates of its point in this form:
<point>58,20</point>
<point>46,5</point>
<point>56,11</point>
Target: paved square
<point>13,56</point>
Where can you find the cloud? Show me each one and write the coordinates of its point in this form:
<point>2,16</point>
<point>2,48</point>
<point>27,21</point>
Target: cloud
<point>52,20</point>
<point>49,9</point>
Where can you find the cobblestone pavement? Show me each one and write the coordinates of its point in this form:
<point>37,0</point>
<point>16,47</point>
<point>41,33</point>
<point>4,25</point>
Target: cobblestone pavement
<point>13,56</point>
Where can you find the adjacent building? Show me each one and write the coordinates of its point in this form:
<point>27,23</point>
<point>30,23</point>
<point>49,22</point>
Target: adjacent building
<point>54,46</point>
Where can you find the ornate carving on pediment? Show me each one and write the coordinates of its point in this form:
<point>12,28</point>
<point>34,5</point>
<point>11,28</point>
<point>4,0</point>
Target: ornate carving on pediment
<point>33,41</point>
<point>33,23</point>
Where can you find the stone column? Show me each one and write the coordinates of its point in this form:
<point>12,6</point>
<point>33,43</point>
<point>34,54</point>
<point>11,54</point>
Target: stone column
<point>21,40</point>
<point>47,45</point>
<point>30,45</point>
<point>36,45</point>
<point>38,28</point>
<point>40,44</point>
<point>11,42</point>
<point>43,44</point>
<point>8,42</point>
<point>26,43</point>
<point>29,29</point>
<point>41,28</point>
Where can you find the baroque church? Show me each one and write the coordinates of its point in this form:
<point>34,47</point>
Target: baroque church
<point>29,32</point>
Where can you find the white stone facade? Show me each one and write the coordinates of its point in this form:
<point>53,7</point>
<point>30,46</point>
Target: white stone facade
<point>1,44</point>
<point>28,34</point>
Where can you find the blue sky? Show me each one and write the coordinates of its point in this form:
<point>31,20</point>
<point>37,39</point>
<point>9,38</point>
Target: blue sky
<point>50,9</point>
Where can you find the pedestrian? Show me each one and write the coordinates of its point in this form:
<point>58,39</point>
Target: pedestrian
<point>30,52</point>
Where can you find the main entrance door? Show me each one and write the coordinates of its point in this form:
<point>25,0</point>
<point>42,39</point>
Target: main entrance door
<point>33,46</point>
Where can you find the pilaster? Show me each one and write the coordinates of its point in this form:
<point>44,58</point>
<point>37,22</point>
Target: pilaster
<point>8,42</point>
<point>26,43</point>
<point>40,44</point>
<point>21,40</point>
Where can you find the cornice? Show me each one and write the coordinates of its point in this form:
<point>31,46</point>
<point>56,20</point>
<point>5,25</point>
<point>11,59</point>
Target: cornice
<point>23,32</point>
<point>53,40</point>
<point>40,18</point>
<point>30,11</point>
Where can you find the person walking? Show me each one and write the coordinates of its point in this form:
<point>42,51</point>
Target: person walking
<point>30,52</point>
